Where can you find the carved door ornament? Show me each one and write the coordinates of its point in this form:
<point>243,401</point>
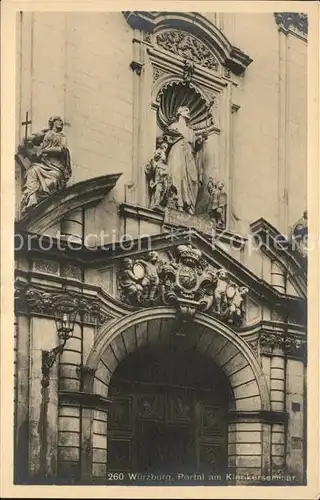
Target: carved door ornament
<point>186,281</point>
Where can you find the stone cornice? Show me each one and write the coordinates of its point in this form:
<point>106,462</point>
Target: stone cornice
<point>117,308</point>
<point>265,416</point>
<point>196,24</point>
<point>99,304</point>
<point>136,211</point>
<point>109,253</point>
<point>84,399</point>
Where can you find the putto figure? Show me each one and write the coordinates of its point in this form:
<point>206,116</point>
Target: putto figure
<point>50,163</point>
<point>160,186</point>
<point>218,202</point>
<point>129,282</point>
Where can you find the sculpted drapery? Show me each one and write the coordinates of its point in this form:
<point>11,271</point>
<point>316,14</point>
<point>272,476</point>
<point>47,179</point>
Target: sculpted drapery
<point>184,162</point>
<point>50,167</point>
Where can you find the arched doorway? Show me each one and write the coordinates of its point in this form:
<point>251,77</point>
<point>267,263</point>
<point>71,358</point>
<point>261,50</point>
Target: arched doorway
<point>168,413</point>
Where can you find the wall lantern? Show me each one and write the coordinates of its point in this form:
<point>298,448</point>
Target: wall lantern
<point>65,312</point>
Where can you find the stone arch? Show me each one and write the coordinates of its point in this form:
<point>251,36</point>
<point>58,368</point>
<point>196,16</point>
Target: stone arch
<point>211,338</point>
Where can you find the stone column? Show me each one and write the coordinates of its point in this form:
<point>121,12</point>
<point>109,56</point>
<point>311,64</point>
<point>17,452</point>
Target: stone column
<point>21,398</point>
<point>295,407</point>
<point>144,119</point>
<point>277,396</point>
<point>70,415</point>
<point>43,403</point>
<point>282,135</point>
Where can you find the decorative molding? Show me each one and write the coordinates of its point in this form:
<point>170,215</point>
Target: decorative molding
<point>188,70</point>
<point>188,47</point>
<point>186,281</point>
<point>53,209</point>
<point>136,67</point>
<point>157,73</point>
<point>296,21</point>
<point>289,345</point>
<point>147,37</point>
<point>142,213</point>
<point>71,271</point>
<point>196,30</point>
<point>254,346</point>
<point>83,370</point>
<point>84,399</point>
<point>46,266</point>
<point>265,416</point>
<point>31,300</point>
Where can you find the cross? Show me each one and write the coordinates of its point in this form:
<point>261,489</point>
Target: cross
<point>26,123</point>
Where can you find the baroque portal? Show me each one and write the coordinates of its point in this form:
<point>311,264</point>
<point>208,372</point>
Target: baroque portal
<point>145,342</point>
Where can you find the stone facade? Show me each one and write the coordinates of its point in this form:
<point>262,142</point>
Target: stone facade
<point>144,279</point>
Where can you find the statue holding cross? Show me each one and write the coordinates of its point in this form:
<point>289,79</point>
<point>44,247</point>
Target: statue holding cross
<point>49,165</point>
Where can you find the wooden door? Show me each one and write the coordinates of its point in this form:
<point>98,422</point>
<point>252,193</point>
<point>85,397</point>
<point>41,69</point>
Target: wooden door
<point>164,429</point>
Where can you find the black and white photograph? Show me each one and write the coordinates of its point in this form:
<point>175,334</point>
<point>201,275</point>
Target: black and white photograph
<point>161,248</point>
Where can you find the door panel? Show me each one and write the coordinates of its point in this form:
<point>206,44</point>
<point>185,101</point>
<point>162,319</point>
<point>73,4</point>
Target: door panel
<point>166,430</point>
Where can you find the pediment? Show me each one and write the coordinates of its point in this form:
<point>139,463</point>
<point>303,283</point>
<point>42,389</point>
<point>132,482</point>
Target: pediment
<point>54,208</point>
<point>196,25</point>
<point>279,249</point>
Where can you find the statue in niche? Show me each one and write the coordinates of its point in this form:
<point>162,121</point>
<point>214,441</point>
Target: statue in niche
<point>300,235</point>
<point>184,169</point>
<point>50,163</point>
<point>218,202</point>
<point>161,189</point>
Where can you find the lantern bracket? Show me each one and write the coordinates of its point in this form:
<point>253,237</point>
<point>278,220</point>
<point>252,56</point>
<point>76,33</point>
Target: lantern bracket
<point>48,360</point>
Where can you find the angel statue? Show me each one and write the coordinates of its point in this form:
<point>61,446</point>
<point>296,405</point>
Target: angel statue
<point>49,163</point>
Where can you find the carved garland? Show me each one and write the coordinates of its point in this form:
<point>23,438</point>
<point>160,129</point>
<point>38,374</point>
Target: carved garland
<point>188,47</point>
<point>186,281</point>
<point>290,345</point>
<point>32,300</point>
<point>295,20</point>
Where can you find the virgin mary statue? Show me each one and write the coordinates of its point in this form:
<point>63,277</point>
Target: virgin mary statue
<point>184,163</point>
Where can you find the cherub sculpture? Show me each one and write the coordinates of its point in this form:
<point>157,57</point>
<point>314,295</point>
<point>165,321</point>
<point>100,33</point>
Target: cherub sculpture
<point>220,296</point>
<point>150,282</point>
<point>129,282</point>
<point>160,186</point>
<point>217,207</point>
<point>236,307</point>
